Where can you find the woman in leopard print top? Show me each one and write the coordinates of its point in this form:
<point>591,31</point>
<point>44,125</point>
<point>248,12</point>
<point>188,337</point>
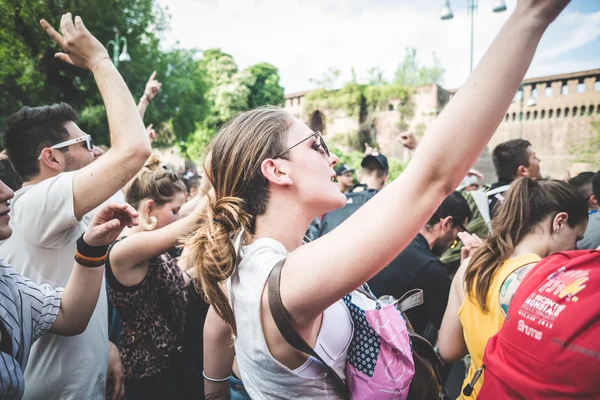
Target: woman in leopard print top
<point>147,287</point>
<point>153,315</point>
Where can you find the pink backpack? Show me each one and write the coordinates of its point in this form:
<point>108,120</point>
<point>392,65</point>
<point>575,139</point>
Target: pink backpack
<point>380,362</point>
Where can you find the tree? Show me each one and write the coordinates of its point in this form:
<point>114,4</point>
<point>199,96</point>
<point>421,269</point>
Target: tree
<point>329,80</point>
<point>231,91</point>
<point>30,75</point>
<point>376,76</point>
<point>410,74</point>
<point>266,89</point>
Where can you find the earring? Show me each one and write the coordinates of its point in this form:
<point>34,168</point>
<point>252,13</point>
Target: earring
<point>149,225</point>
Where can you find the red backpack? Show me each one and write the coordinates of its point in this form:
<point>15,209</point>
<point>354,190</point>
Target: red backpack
<point>549,345</point>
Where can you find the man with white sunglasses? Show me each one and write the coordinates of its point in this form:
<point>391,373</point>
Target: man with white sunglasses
<point>61,184</point>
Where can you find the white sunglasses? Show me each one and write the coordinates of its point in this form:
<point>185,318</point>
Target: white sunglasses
<point>87,138</point>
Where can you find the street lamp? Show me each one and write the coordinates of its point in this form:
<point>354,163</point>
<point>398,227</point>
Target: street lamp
<point>499,6</point>
<point>116,57</point>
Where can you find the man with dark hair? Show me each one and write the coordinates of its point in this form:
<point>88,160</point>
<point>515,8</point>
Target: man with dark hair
<point>374,171</point>
<point>512,159</point>
<point>62,186</point>
<point>583,184</point>
<point>591,237</point>
<point>373,175</point>
<point>344,175</point>
<point>419,265</point>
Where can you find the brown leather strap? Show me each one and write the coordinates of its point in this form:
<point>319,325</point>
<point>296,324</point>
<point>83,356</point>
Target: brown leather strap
<point>284,324</point>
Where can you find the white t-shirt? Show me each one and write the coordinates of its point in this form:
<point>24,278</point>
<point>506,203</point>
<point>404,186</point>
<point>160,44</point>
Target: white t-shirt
<point>264,377</point>
<point>41,248</point>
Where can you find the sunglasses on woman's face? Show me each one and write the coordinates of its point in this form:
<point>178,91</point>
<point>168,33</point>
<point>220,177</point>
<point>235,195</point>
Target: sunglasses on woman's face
<point>321,142</point>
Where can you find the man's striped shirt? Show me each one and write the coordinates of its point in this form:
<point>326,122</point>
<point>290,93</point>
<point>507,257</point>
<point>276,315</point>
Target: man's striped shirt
<point>27,311</point>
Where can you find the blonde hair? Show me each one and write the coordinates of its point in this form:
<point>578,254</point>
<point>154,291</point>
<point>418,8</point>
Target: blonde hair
<point>154,182</point>
<point>241,191</point>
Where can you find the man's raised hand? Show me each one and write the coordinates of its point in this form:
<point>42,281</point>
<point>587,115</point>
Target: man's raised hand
<point>80,47</point>
<point>152,87</point>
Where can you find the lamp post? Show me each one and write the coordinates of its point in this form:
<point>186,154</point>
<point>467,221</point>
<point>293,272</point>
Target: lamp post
<point>116,57</point>
<point>499,6</point>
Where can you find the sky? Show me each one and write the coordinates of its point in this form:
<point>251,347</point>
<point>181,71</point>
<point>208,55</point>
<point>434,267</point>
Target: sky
<point>303,38</point>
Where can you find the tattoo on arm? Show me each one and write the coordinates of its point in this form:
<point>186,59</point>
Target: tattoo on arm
<point>217,394</point>
<point>510,285</point>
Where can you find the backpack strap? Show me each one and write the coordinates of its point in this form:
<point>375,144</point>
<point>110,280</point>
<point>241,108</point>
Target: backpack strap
<point>499,189</point>
<point>284,324</point>
<point>410,299</point>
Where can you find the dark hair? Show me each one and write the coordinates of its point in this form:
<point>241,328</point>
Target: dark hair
<point>583,184</point>
<point>509,156</point>
<point>371,166</point>
<point>526,205</point>
<point>9,176</point>
<point>596,185</point>
<point>154,182</point>
<point>192,182</point>
<point>31,129</point>
<point>454,206</point>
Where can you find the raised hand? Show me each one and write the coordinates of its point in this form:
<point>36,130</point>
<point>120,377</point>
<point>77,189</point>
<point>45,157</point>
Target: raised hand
<point>471,243</point>
<point>152,87</point>
<point>370,150</point>
<point>80,47</point>
<point>151,133</point>
<point>474,172</point>
<point>109,222</point>
<point>408,140</point>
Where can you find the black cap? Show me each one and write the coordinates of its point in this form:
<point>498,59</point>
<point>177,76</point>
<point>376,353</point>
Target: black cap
<point>380,158</point>
<point>342,169</point>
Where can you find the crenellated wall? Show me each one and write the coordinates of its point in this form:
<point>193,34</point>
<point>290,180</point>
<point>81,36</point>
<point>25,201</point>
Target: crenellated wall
<point>554,113</point>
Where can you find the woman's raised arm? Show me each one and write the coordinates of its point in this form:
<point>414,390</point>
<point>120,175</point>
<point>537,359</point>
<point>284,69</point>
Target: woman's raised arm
<point>318,274</point>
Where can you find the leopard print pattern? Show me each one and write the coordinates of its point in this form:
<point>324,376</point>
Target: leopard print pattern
<point>153,318</point>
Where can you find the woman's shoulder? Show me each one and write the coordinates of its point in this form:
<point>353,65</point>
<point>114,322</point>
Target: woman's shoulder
<point>262,250</point>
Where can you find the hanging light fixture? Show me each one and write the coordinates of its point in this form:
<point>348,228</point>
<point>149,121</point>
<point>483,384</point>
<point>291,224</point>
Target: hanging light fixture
<point>499,6</point>
<point>446,11</point>
<point>124,57</point>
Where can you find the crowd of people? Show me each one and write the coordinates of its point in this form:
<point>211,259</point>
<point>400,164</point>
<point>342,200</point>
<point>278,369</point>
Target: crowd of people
<point>273,274</point>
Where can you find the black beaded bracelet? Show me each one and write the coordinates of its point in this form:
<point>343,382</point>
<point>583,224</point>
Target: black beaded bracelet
<point>90,251</point>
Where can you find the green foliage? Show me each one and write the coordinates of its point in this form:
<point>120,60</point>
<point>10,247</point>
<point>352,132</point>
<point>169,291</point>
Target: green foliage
<point>354,158</point>
<point>420,130</point>
<point>30,75</point>
<point>266,89</point>
<point>231,91</point>
<point>329,80</point>
<point>197,95</point>
<point>378,96</point>
<point>588,152</point>
<point>350,140</point>
<point>410,74</point>
<point>396,168</point>
<point>348,99</point>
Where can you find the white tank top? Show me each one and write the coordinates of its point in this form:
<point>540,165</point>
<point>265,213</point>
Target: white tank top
<point>263,376</point>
